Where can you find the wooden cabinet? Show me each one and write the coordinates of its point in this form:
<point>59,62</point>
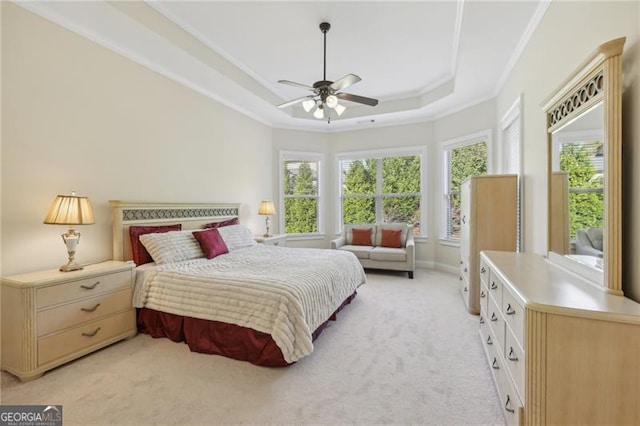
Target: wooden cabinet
<point>488,218</point>
<point>274,240</point>
<point>561,350</point>
<point>52,317</point>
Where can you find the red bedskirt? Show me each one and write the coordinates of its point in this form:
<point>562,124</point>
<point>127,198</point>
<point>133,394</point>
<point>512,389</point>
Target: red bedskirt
<point>214,337</point>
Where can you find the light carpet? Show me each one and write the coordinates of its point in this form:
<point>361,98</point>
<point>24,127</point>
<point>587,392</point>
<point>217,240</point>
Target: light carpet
<point>403,352</point>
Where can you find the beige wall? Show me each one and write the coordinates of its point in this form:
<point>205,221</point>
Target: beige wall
<point>567,34</point>
<point>76,116</point>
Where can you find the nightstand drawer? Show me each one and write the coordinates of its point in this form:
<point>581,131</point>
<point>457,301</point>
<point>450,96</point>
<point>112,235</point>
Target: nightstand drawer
<point>50,320</point>
<point>88,287</point>
<point>78,338</point>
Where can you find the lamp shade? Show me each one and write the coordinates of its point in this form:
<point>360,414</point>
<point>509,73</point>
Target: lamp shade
<point>267,208</point>
<point>70,210</point>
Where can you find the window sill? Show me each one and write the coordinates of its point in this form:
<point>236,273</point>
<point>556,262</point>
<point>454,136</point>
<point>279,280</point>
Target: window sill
<point>450,243</point>
<point>301,237</point>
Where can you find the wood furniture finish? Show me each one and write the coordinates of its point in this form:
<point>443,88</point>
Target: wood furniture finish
<point>561,350</point>
<point>598,80</point>
<point>488,220</point>
<point>274,240</point>
<point>52,317</point>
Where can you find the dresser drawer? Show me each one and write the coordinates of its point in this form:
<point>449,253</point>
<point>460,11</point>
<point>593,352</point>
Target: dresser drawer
<point>514,359</point>
<point>484,271</point>
<point>84,336</point>
<point>84,310</point>
<point>496,323</point>
<point>487,337</point>
<point>484,297</point>
<point>510,402</point>
<point>514,315</point>
<point>88,287</point>
<point>495,287</point>
<point>464,268</point>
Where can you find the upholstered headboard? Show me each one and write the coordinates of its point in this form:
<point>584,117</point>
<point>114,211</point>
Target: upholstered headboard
<point>190,215</point>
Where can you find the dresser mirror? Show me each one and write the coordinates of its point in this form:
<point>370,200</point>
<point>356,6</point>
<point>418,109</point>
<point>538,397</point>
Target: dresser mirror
<point>584,165</point>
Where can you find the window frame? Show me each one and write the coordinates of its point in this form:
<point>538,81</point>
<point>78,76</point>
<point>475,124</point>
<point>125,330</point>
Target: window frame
<point>380,154</point>
<point>311,157</point>
<point>449,145</point>
<point>512,116</point>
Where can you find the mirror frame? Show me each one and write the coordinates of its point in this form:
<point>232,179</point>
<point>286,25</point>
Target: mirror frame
<point>597,79</point>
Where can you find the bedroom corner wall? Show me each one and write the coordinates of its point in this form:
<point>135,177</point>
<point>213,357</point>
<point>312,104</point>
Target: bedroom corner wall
<point>76,116</point>
<point>557,47</point>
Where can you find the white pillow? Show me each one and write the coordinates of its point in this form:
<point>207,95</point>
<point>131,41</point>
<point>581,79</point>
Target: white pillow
<point>173,246</point>
<point>236,236</point>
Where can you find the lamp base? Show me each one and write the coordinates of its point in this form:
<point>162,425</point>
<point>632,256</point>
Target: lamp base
<point>267,235</point>
<point>71,267</point>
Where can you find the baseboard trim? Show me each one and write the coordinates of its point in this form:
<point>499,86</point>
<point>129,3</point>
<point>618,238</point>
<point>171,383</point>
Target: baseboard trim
<point>447,268</point>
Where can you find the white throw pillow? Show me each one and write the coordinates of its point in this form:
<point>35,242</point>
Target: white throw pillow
<point>174,246</point>
<point>236,237</point>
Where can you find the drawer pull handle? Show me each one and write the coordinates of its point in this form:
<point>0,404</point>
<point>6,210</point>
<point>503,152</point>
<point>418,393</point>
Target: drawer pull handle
<point>481,320</point>
<point>494,364</point>
<point>90,287</point>
<point>461,262</point>
<point>482,270</point>
<point>489,341</point>
<point>90,309</point>
<point>91,334</point>
<point>465,289</point>
<point>464,219</point>
<point>276,243</point>
<point>494,318</point>
<point>511,355</point>
<point>465,269</point>
<point>506,405</point>
<point>493,285</point>
<point>510,310</point>
<point>482,295</point>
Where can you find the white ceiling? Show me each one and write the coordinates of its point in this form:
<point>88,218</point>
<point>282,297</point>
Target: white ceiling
<point>422,60</point>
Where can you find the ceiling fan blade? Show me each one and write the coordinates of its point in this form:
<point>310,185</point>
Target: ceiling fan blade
<point>343,82</point>
<point>358,99</point>
<point>296,101</point>
<point>293,83</point>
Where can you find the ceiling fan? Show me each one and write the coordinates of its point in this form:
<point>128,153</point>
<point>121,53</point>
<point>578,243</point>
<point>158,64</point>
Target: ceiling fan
<point>327,93</point>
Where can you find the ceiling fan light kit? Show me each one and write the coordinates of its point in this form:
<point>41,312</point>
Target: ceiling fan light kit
<point>327,93</point>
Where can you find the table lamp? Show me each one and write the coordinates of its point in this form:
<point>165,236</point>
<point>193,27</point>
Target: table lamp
<point>267,209</point>
<point>70,210</point>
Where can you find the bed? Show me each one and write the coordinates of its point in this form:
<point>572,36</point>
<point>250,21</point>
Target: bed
<point>257,303</point>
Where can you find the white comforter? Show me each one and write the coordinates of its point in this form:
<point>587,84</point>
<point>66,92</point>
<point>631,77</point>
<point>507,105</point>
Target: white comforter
<point>285,292</point>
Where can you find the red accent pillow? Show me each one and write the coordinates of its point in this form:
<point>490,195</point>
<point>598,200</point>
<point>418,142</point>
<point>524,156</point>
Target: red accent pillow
<point>361,237</point>
<point>139,252</point>
<point>211,243</point>
<point>220,224</point>
<point>391,238</point>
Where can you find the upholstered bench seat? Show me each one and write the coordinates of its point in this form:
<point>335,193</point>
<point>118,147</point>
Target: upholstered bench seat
<point>380,246</point>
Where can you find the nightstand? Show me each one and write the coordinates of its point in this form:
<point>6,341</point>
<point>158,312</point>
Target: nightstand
<point>52,317</point>
<point>274,240</point>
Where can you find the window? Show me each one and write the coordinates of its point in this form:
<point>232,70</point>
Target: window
<point>382,186</point>
<point>462,158</point>
<point>300,193</point>
<point>580,154</point>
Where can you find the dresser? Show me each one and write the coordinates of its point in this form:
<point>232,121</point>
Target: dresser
<point>52,317</point>
<point>488,219</point>
<point>274,240</point>
<point>561,350</point>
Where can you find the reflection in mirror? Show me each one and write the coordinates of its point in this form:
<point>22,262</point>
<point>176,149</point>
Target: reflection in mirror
<point>577,184</point>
